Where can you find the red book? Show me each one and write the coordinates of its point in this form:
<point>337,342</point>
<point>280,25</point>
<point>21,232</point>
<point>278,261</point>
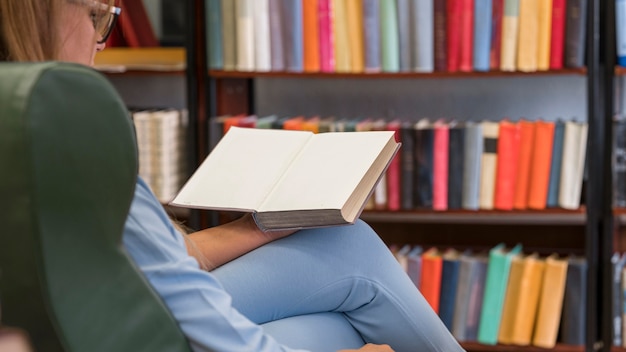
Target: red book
<point>430,278</point>
<point>453,34</point>
<point>557,39</point>
<point>467,36</point>
<point>394,172</point>
<point>506,169</point>
<point>133,27</point>
<point>441,145</point>
<point>496,34</point>
<point>527,141</point>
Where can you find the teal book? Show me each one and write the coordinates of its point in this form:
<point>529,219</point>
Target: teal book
<point>555,165</point>
<point>495,288</point>
<point>390,46</point>
<point>214,34</point>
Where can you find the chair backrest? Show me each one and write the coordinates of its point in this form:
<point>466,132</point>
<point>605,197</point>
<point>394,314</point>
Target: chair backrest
<point>68,166</point>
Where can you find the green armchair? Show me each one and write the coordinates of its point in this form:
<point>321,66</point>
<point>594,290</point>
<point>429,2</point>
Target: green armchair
<point>68,165</point>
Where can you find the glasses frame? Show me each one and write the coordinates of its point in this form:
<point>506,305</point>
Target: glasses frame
<point>115,12</point>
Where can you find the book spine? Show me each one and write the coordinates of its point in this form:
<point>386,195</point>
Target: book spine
<point>453,34</point>
<point>496,34</point>
<point>424,165</point>
<point>542,158</point>
<point>466,36</point>
<point>620,31</point>
<point>214,35</point>
<point>440,35</point>
<point>291,13</point>
<point>422,26</point>
<point>472,166</point>
<point>341,40</point>
<point>527,141</point>
<point>371,34</point>
<point>440,167</point>
<point>276,36</point>
<point>389,33</point>
<point>488,165</point>
<point>575,33</point>
<point>510,25</point>
<point>263,61</point>
<point>482,34</point>
<point>545,25</point>
<point>245,35</point>
<point>555,165</point>
<point>327,46</point>
<point>310,27</point>
<point>528,36</point>
<point>506,168</point>
<point>407,165</point>
<point>404,36</point>
<point>557,40</point>
<point>619,163</point>
<point>229,32</point>
<point>355,35</point>
<point>456,168</point>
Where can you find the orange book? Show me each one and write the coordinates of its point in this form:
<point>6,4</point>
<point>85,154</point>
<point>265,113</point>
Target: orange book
<point>540,168</point>
<point>311,124</point>
<point>232,121</point>
<point>506,169</point>
<point>430,278</point>
<point>527,141</point>
<point>354,9</point>
<point>294,123</point>
<point>311,36</point>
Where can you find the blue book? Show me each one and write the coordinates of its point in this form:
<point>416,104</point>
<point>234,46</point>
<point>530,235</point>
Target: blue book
<point>371,35</point>
<point>472,165</point>
<point>620,31</point>
<point>414,265</point>
<point>423,38</point>
<point>449,283</point>
<point>214,34</point>
<point>482,34</point>
<point>389,36</point>
<point>404,35</point>
<point>293,41</point>
<point>555,165</point>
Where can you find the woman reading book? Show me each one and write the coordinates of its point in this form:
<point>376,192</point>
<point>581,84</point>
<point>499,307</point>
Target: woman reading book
<point>228,284</point>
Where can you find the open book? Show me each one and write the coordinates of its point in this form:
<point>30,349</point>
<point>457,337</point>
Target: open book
<point>291,179</point>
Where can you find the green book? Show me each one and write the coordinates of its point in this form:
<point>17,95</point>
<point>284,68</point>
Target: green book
<point>495,288</point>
<point>390,45</point>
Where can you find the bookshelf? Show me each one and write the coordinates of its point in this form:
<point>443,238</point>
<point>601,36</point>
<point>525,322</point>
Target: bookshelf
<point>583,231</point>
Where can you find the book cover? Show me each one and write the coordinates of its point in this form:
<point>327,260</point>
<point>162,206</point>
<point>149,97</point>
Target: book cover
<point>476,299</point>
<point>277,53</point>
<point>326,33</point>
<point>293,36</point>
<point>214,34</point>
<point>572,164</point>
<point>404,35</point>
<point>449,284</point>
<point>414,265</point>
<point>311,163</point>
<point>343,59</point>
<point>541,161</point>
<point>408,162</point>
<point>456,167</point>
<point>528,38</point>
<point>489,160</point>
<point>441,143</point>
<point>430,281</point>
<point>527,141</point>
<point>454,15</point>
<point>575,29</point>
<point>545,27</point>
<point>461,299</point>
<point>555,165</point>
<point>440,13</point>
<point>354,9</point>
<point>510,27</point>
<point>526,309</point>
<point>506,167</point>
<point>310,28</point>
<point>574,315</point>
<point>496,34</point>
<point>483,13</point>
<point>390,48</point>
<point>557,36</point>
<point>371,35</point>
<point>495,289</point>
<point>394,172</point>
<point>262,47</point>
<point>472,165</point>
<point>422,29</point>
<point>244,10</point>
<point>550,302</point>
<point>229,32</point>
<point>467,36</point>
<point>423,184</point>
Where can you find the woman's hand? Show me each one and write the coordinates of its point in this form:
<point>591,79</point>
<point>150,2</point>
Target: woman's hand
<point>370,347</point>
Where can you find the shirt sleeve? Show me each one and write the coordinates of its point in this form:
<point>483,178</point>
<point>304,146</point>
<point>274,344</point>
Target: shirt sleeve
<point>195,298</point>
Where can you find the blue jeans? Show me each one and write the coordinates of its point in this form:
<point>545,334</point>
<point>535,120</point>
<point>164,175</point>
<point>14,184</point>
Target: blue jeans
<point>347,271</point>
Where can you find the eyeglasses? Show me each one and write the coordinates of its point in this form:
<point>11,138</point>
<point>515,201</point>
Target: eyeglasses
<point>104,18</point>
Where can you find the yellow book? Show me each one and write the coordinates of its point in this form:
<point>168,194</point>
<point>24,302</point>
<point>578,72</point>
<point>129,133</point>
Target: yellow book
<point>522,296</point>
<point>510,24</point>
<point>550,302</point>
<point>545,31</point>
<point>342,39</point>
<point>355,35</point>
<point>527,45</point>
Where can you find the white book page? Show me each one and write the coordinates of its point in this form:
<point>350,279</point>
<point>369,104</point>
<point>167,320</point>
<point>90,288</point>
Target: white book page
<point>327,171</point>
<point>242,169</point>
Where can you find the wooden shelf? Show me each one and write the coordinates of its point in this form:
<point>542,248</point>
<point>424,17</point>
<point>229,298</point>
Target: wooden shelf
<point>410,75</point>
<point>141,61</point>
<point>514,217</point>
<point>476,347</point>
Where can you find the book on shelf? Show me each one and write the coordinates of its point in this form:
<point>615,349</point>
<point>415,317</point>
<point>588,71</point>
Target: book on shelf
<point>291,179</point>
<point>422,39</point>
<point>618,261</point>
<point>573,318</point>
<point>619,162</point>
<point>557,35</point>
<point>483,16</point>
<point>506,165</point>
<point>620,32</point>
<point>390,48</point>
<point>550,302</point>
<point>229,33</point>
<point>575,33</point>
<point>541,163</point>
<point>488,164</point>
<point>449,286</point>
<point>371,36</point>
<point>430,278</point>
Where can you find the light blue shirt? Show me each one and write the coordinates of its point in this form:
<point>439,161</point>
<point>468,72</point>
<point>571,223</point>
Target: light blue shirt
<point>198,302</point>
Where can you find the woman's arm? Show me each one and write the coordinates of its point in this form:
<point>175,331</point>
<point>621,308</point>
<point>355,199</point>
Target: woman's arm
<point>218,245</point>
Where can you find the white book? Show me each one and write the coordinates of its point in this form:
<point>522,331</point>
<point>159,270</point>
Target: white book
<point>572,164</point>
<point>262,49</point>
<point>489,160</point>
<point>291,179</point>
<point>244,10</point>
<point>510,26</point>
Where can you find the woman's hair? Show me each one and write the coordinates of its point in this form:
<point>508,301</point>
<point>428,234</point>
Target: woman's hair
<point>29,29</point>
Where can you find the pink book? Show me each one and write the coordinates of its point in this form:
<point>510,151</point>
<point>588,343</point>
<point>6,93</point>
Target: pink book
<point>467,36</point>
<point>557,40</point>
<point>393,172</point>
<point>440,165</point>
<point>326,42</point>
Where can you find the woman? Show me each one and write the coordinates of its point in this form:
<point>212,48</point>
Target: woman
<point>251,278</point>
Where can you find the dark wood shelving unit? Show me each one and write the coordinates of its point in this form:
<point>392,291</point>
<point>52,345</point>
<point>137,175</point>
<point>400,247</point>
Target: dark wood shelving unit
<point>143,73</point>
<point>386,75</point>
<point>477,347</point>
